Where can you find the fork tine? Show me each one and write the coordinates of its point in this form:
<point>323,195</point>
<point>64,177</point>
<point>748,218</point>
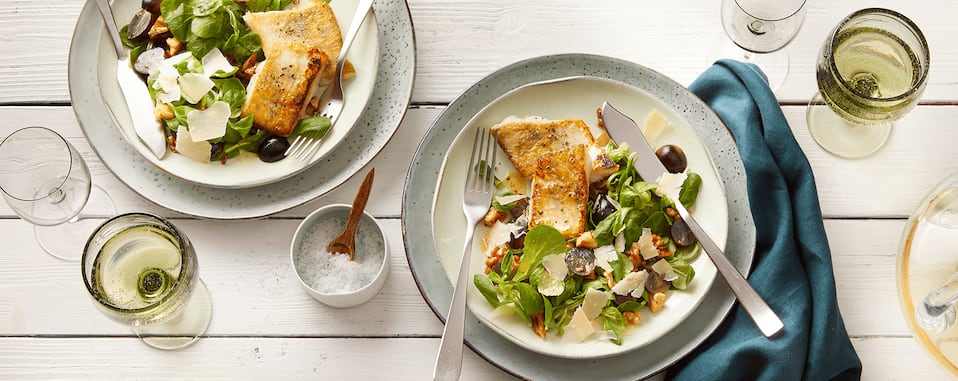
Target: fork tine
<point>491,177</point>
<point>476,150</point>
<point>294,146</point>
<point>299,147</point>
<point>307,148</point>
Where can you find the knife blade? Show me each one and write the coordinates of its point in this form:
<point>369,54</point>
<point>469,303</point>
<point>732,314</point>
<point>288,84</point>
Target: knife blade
<point>623,129</point>
<point>134,90</point>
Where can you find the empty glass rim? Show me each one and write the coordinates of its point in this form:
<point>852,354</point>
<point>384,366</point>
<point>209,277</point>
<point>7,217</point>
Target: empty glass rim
<point>64,140</point>
<point>922,77</point>
<point>175,288</point>
<point>797,9</point>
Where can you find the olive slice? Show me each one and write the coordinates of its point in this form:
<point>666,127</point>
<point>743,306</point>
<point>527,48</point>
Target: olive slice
<point>656,283</point>
<point>602,208</point>
<point>152,5</point>
<point>672,158</point>
<point>580,260</point>
<point>148,59</point>
<point>681,234</point>
<point>140,25</point>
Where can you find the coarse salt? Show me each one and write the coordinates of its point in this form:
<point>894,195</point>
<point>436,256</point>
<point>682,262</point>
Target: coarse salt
<point>331,273</point>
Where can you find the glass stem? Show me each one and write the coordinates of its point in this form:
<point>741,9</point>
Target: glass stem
<point>936,312</point>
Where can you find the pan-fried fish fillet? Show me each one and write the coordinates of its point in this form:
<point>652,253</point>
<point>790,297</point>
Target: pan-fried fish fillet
<point>525,140</point>
<point>560,191</point>
<point>313,25</point>
<point>283,85</point>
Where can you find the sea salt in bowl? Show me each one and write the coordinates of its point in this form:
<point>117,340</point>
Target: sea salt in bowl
<point>332,278</point>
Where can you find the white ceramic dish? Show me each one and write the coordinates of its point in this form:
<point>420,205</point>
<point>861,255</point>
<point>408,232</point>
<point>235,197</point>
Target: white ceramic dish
<point>368,222</point>
<point>427,267</point>
<point>576,98</point>
<point>379,121</point>
<point>246,170</point>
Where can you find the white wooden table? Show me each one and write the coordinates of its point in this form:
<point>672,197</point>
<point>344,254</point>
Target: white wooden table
<point>265,327</point>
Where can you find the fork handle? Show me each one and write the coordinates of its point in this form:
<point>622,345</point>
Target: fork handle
<point>362,9</point>
<point>449,359</point>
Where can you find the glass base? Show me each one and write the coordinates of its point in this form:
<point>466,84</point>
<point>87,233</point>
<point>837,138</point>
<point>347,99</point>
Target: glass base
<point>66,241</point>
<point>184,328</point>
<point>840,137</point>
<point>774,64</point>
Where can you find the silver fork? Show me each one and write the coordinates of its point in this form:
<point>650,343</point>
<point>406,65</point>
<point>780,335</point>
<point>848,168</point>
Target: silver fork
<point>478,192</point>
<point>303,147</point>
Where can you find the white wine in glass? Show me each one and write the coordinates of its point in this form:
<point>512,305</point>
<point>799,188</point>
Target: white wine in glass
<point>142,271</point>
<point>872,71</point>
<point>757,31</point>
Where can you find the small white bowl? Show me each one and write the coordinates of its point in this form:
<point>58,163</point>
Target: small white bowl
<point>315,232</point>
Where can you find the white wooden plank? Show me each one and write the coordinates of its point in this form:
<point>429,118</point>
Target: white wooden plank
<point>247,270</point>
<point>232,359</point>
<point>919,154</point>
<point>896,359</point>
<point>246,267</point>
<point>392,163</point>
<point>459,42</point>
<point>888,184</point>
<point>892,358</point>
<point>863,257</point>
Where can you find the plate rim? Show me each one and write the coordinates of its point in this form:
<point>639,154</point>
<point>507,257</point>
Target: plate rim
<point>705,284</point>
<point>393,89</point>
<point>718,300</point>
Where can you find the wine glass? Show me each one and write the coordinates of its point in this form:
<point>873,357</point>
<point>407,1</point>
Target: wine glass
<point>871,71</point>
<point>141,271</point>
<point>47,183</point>
<point>757,32</point>
<point>927,273</point>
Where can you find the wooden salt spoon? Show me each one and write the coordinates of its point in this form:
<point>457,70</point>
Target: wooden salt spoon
<point>346,242</point>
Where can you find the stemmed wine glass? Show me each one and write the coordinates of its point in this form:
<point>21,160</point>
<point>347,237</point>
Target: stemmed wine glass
<point>47,183</point>
<point>926,273</point>
<point>141,271</point>
<point>871,71</point>
<point>759,29</point>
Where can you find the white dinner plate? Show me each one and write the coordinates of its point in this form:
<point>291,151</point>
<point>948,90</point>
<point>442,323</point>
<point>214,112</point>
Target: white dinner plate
<point>428,265</point>
<point>247,169</point>
<point>576,98</point>
<point>378,122</point>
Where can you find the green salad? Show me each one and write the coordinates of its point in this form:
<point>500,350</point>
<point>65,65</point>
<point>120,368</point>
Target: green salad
<point>604,276</point>
<point>197,57</point>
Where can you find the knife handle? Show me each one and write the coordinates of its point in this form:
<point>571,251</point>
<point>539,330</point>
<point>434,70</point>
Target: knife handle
<point>107,13</point>
<point>763,316</point>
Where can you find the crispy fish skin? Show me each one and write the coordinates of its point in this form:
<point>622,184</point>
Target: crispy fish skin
<point>283,85</point>
<point>313,25</point>
<point>560,191</point>
<point>524,141</point>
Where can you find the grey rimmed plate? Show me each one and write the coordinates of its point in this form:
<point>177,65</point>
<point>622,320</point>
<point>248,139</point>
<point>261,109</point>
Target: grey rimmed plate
<point>378,122</point>
<point>422,248</point>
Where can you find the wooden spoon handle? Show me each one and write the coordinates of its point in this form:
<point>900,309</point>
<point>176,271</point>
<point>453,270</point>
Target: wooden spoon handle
<point>359,204</point>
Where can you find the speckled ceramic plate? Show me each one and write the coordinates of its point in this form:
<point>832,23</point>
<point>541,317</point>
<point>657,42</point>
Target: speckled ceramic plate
<point>427,267</point>
<point>380,119</point>
<point>245,170</point>
<point>576,98</point>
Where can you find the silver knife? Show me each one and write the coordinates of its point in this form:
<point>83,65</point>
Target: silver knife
<point>137,96</point>
<point>623,129</point>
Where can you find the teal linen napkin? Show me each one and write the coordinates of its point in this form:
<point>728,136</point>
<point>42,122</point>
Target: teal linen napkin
<point>792,269</point>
